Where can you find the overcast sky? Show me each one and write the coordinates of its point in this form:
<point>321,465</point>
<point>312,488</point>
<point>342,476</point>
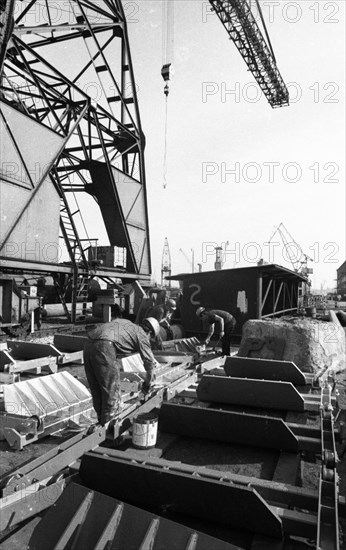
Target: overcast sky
<point>236,167</point>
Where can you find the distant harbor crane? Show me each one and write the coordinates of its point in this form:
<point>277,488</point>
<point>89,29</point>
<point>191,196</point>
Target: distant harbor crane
<point>166,266</point>
<point>298,258</point>
<point>191,261</point>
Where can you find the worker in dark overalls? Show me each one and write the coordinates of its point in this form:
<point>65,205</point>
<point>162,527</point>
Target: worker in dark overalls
<point>163,313</point>
<point>102,367</point>
<point>226,323</point>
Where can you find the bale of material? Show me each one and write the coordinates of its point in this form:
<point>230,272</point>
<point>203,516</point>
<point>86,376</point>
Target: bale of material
<point>310,343</point>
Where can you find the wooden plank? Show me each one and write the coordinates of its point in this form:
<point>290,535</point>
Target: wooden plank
<point>54,460</point>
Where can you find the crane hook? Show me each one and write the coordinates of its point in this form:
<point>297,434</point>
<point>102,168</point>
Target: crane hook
<point>166,75</point>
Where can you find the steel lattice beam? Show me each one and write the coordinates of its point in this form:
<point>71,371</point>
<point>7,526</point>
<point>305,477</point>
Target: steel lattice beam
<point>41,80</point>
<point>239,21</point>
<point>6,27</point>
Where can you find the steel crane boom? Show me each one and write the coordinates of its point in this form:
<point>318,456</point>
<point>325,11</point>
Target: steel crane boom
<point>240,23</point>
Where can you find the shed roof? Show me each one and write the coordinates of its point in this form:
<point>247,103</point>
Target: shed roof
<point>272,270</point>
<point>342,267</point>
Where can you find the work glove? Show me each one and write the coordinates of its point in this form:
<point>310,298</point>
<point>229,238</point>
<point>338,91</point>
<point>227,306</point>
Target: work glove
<point>149,380</point>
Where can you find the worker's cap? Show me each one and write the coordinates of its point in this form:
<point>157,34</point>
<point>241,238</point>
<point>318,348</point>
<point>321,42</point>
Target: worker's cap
<point>152,324</point>
<point>199,311</point>
<point>172,304</point>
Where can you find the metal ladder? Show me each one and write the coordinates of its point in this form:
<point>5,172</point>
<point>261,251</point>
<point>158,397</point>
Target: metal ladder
<point>80,276</point>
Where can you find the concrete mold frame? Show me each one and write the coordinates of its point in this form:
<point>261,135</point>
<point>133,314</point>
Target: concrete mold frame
<point>248,293</point>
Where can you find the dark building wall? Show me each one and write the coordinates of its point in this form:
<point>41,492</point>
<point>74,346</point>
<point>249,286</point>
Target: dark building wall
<point>236,293</point>
<point>240,291</point>
<point>341,279</point>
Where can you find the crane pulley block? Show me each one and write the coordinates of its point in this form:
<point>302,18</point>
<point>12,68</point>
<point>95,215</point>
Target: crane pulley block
<point>166,71</point>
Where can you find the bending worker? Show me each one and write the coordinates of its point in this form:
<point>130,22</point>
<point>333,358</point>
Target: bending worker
<point>226,323</point>
<point>163,313</point>
<point>102,367</point>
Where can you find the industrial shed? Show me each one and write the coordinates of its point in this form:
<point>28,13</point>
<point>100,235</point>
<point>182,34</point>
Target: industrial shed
<point>248,293</point>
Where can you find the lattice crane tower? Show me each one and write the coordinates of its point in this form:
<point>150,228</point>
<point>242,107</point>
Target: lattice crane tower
<point>166,266</point>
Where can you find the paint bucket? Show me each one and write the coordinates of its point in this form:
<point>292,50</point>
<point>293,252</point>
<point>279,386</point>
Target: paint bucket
<point>144,431</point>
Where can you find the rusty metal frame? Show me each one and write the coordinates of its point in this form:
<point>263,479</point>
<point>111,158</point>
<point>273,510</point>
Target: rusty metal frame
<point>50,463</point>
<point>32,365</point>
<point>270,294</point>
<point>20,431</point>
<point>35,499</point>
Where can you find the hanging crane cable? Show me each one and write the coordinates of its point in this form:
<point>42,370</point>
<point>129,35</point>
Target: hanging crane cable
<point>167,70</point>
<point>165,148</point>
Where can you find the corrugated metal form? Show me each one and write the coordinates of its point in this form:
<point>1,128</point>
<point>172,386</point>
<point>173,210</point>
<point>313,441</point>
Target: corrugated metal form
<point>44,396</point>
<point>246,292</point>
<point>182,345</point>
<point>32,409</point>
